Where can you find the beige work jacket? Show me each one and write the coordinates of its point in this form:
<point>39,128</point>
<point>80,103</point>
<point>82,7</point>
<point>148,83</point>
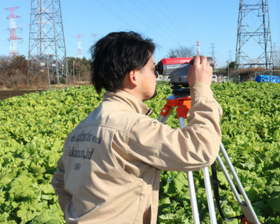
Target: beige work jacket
<point>111,164</point>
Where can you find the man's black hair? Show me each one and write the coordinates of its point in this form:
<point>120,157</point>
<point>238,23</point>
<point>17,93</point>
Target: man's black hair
<point>115,55</point>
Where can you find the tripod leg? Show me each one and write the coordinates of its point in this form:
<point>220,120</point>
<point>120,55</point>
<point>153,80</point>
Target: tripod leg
<point>231,184</point>
<point>245,206</point>
<point>165,112</point>
<point>162,119</point>
<point>209,194</point>
<point>195,212</point>
<point>208,188</point>
<point>193,198</point>
<point>191,186</point>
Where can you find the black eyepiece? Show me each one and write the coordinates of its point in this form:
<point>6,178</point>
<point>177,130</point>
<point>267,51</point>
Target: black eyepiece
<point>159,68</point>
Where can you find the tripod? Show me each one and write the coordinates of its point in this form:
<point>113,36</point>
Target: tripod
<point>182,100</point>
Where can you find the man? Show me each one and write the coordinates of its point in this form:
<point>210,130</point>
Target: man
<point>110,168</point>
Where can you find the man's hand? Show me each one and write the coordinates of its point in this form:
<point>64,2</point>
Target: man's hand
<point>200,72</point>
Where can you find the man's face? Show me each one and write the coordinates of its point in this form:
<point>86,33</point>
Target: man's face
<point>148,80</point>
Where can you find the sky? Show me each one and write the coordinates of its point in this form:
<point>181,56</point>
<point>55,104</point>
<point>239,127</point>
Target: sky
<point>170,24</point>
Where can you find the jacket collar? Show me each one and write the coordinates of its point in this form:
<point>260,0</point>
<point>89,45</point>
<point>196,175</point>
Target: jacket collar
<point>137,105</point>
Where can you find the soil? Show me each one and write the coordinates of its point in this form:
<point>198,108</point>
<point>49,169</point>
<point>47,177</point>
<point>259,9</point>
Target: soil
<point>4,94</point>
<point>7,93</point>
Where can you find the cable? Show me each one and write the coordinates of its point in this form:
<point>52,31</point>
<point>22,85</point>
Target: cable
<point>113,13</point>
<point>152,19</point>
<point>170,20</point>
<point>141,20</point>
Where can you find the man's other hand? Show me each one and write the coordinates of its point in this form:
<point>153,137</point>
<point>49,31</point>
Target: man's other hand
<point>200,72</point>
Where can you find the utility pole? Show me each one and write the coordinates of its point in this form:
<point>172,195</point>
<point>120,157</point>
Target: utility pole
<point>275,55</point>
<point>74,71</point>
<point>254,44</point>
<point>94,37</point>
<point>214,56</point>
<point>230,56</point>
<point>13,33</point>
<point>46,40</point>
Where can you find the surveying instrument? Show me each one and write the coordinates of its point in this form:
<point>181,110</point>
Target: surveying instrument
<point>177,69</point>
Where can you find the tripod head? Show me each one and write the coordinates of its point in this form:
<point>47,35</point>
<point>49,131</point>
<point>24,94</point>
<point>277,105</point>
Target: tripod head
<point>177,69</point>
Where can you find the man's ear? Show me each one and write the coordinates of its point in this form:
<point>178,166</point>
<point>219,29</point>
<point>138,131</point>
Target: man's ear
<point>132,77</point>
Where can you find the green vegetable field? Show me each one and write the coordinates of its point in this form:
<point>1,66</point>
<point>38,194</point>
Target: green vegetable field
<point>34,127</point>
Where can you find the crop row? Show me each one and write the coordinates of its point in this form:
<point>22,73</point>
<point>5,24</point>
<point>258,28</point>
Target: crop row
<point>34,127</point>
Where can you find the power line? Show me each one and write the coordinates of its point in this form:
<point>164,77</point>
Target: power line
<point>113,13</point>
<point>170,20</point>
<point>152,19</point>
<point>133,14</point>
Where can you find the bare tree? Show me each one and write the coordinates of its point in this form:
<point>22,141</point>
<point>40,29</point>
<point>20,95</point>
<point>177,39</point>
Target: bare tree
<point>181,52</point>
<point>13,73</point>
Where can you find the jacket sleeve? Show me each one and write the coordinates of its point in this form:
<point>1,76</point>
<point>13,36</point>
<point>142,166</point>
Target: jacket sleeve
<point>58,184</point>
<point>191,148</point>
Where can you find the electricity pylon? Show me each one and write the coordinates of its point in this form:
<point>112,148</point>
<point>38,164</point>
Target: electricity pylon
<point>254,44</point>
<point>13,33</point>
<point>47,50</point>
<point>79,45</point>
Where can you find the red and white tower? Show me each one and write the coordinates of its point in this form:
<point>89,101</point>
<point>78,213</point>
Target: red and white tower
<point>197,48</point>
<point>13,32</point>
<point>79,45</point>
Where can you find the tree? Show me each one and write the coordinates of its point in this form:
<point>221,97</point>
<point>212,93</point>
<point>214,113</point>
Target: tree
<point>181,52</point>
<point>81,68</point>
<point>14,72</point>
<point>232,65</point>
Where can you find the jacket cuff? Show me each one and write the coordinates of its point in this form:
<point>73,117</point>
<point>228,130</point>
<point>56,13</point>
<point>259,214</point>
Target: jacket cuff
<point>201,90</point>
